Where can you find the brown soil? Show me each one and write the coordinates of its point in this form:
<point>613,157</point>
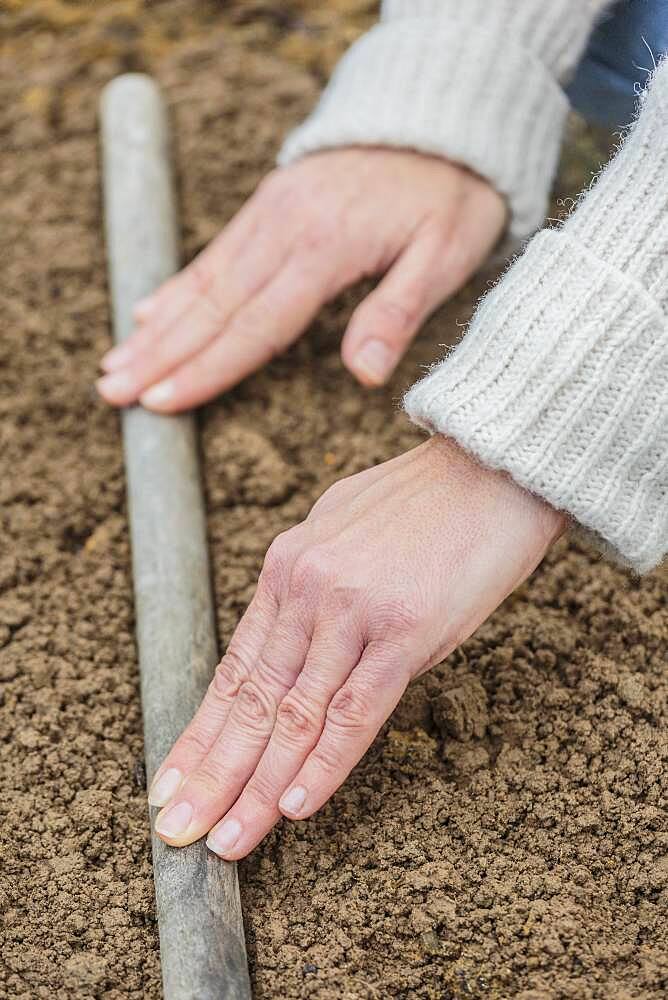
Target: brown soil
<point>506,836</point>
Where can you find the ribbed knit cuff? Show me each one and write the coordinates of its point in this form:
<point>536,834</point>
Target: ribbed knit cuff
<point>457,92</point>
<point>556,32</point>
<point>623,218</point>
<point>562,379</point>
<point>475,82</point>
<point>562,383</point>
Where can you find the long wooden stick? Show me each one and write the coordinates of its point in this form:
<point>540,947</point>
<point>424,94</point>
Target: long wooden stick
<point>202,946</point>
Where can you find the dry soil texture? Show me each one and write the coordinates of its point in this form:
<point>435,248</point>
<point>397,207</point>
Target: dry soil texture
<point>506,836</point>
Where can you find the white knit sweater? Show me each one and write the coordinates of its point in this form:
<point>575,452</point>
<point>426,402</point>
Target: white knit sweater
<point>562,378</point>
<point>476,81</point>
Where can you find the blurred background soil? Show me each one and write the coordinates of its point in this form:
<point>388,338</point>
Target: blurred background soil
<point>506,835</point>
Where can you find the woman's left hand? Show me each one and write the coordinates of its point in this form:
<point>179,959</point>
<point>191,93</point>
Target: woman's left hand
<point>392,569</point>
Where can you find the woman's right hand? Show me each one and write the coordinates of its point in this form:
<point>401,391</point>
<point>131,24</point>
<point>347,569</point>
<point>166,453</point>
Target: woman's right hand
<point>310,230</point>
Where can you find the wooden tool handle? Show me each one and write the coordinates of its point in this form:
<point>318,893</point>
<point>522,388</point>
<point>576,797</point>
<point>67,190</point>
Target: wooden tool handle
<point>202,945</point>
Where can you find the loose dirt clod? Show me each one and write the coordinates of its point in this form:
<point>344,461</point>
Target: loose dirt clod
<point>505,844</point>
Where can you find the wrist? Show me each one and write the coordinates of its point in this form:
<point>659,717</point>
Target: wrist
<point>393,85</point>
<point>452,461</point>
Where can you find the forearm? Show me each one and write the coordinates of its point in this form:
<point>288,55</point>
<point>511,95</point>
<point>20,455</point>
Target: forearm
<point>562,379</point>
<point>477,82</point>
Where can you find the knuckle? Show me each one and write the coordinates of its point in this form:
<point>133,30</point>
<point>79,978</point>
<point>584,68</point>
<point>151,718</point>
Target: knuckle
<point>349,709</point>
<point>344,598</point>
<point>394,618</point>
<point>401,314</point>
<point>202,278</point>
<point>317,236</point>
<point>280,549</point>
<point>437,229</point>
<point>312,570</point>
<point>258,328</point>
<point>269,673</point>
<point>338,489</point>
<point>339,486</point>
<point>230,674</point>
<point>197,741</point>
<point>255,707</point>
<point>207,779</point>
<point>332,496</point>
<point>277,560</point>
<point>296,719</point>
<point>328,758</point>
<point>263,792</point>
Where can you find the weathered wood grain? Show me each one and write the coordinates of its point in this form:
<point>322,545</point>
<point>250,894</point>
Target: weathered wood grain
<point>202,945</point>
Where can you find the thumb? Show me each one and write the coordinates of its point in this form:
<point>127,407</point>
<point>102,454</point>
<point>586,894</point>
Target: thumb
<point>384,324</point>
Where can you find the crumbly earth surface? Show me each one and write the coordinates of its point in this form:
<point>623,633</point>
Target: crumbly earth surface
<point>506,836</point>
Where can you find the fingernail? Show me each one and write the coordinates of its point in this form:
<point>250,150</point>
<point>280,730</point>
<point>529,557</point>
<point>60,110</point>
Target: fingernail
<point>223,839</point>
<point>164,787</point>
<point>158,394</point>
<point>115,358</point>
<point>293,800</point>
<point>175,821</point>
<point>115,386</point>
<point>374,360</point>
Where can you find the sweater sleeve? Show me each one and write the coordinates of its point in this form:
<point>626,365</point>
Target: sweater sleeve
<point>562,378</point>
<point>476,81</point>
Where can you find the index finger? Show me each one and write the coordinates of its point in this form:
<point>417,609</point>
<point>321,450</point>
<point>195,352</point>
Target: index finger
<point>233,670</point>
<point>169,303</point>
<point>262,328</point>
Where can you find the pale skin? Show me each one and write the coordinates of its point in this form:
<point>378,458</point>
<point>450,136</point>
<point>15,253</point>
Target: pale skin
<point>395,566</point>
<point>390,572</point>
<point>309,231</point>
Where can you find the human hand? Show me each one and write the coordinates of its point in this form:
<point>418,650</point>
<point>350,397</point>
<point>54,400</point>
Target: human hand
<point>310,230</point>
<point>392,569</point>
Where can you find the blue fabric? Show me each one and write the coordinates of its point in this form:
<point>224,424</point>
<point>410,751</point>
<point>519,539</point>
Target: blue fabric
<point>617,62</point>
